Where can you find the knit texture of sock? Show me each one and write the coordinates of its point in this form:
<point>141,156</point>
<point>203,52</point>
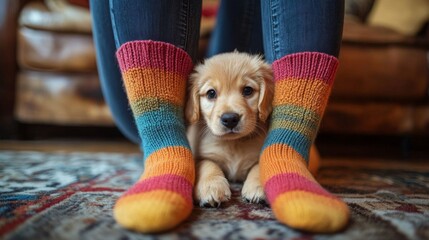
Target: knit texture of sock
<point>155,76</point>
<point>303,83</point>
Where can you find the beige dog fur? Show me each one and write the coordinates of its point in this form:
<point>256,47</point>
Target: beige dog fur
<point>229,154</point>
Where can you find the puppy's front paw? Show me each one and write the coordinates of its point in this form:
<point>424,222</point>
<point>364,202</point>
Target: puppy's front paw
<point>253,192</point>
<point>212,191</point>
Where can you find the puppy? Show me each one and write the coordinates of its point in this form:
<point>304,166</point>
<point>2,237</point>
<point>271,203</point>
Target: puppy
<point>230,100</point>
<point>229,103</point>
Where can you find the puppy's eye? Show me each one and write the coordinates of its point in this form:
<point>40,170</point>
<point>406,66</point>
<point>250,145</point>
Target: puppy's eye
<point>247,91</point>
<point>211,94</point>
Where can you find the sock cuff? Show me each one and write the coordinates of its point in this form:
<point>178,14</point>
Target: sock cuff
<point>306,65</point>
<point>154,55</point>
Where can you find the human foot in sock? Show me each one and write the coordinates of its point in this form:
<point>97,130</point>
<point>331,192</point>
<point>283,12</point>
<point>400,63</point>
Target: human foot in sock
<point>302,87</point>
<point>155,76</point>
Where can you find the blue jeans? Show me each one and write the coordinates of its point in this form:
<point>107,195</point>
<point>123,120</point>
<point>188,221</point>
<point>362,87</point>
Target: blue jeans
<point>273,28</point>
<point>276,28</point>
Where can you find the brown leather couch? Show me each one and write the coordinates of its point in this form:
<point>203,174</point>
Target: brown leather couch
<point>381,86</point>
<point>51,76</point>
<point>57,80</point>
<point>382,83</point>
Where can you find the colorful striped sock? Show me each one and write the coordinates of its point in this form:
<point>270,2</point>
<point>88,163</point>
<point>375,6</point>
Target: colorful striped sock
<point>302,87</point>
<point>155,76</point>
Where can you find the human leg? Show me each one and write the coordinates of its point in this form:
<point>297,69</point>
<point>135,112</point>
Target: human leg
<point>108,71</point>
<point>301,39</point>
<point>157,42</point>
<point>238,26</point>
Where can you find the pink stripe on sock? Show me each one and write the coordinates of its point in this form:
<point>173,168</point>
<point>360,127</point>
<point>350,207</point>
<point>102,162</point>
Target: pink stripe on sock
<point>306,65</point>
<point>167,182</point>
<point>152,54</point>
<point>292,182</point>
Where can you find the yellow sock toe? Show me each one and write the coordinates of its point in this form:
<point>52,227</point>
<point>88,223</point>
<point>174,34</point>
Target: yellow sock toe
<point>310,212</point>
<point>152,212</point>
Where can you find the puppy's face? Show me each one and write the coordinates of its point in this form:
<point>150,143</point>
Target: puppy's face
<point>232,92</point>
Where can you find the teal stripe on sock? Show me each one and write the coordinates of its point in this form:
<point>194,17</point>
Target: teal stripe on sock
<point>161,127</point>
<point>160,136</point>
<point>291,138</point>
<point>164,113</point>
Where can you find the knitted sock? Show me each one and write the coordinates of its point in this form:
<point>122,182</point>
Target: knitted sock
<point>155,76</point>
<point>302,86</point>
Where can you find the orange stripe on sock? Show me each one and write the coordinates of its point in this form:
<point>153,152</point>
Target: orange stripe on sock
<point>150,83</point>
<point>288,208</point>
<point>170,160</point>
<point>165,196</point>
<point>293,91</point>
<point>280,159</point>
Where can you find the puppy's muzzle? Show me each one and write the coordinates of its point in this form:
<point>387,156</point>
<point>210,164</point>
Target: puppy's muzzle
<point>230,120</point>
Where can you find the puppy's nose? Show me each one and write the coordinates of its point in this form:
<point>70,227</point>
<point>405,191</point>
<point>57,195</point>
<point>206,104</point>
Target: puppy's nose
<point>230,120</point>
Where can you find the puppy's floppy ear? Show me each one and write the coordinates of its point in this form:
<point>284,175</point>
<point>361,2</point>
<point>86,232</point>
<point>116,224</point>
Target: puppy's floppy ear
<point>266,93</point>
<point>192,111</point>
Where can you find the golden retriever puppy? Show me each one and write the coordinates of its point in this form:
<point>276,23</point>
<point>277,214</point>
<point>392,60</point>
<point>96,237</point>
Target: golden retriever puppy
<point>229,102</point>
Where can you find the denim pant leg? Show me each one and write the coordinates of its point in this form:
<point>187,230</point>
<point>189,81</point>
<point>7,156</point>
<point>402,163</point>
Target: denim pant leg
<point>238,26</point>
<point>291,26</point>
<point>108,70</point>
<point>176,22</point>
<point>116,22</point>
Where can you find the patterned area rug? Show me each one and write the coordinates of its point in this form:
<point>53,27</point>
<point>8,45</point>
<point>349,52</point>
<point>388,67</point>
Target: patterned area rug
<point>70,196</point>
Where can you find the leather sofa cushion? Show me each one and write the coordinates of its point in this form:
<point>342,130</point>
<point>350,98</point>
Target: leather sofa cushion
<point>381,73</point>
<point>59,98</point>
<point>54,51</point>
<point>56,15</point>
<point>377,63</point>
